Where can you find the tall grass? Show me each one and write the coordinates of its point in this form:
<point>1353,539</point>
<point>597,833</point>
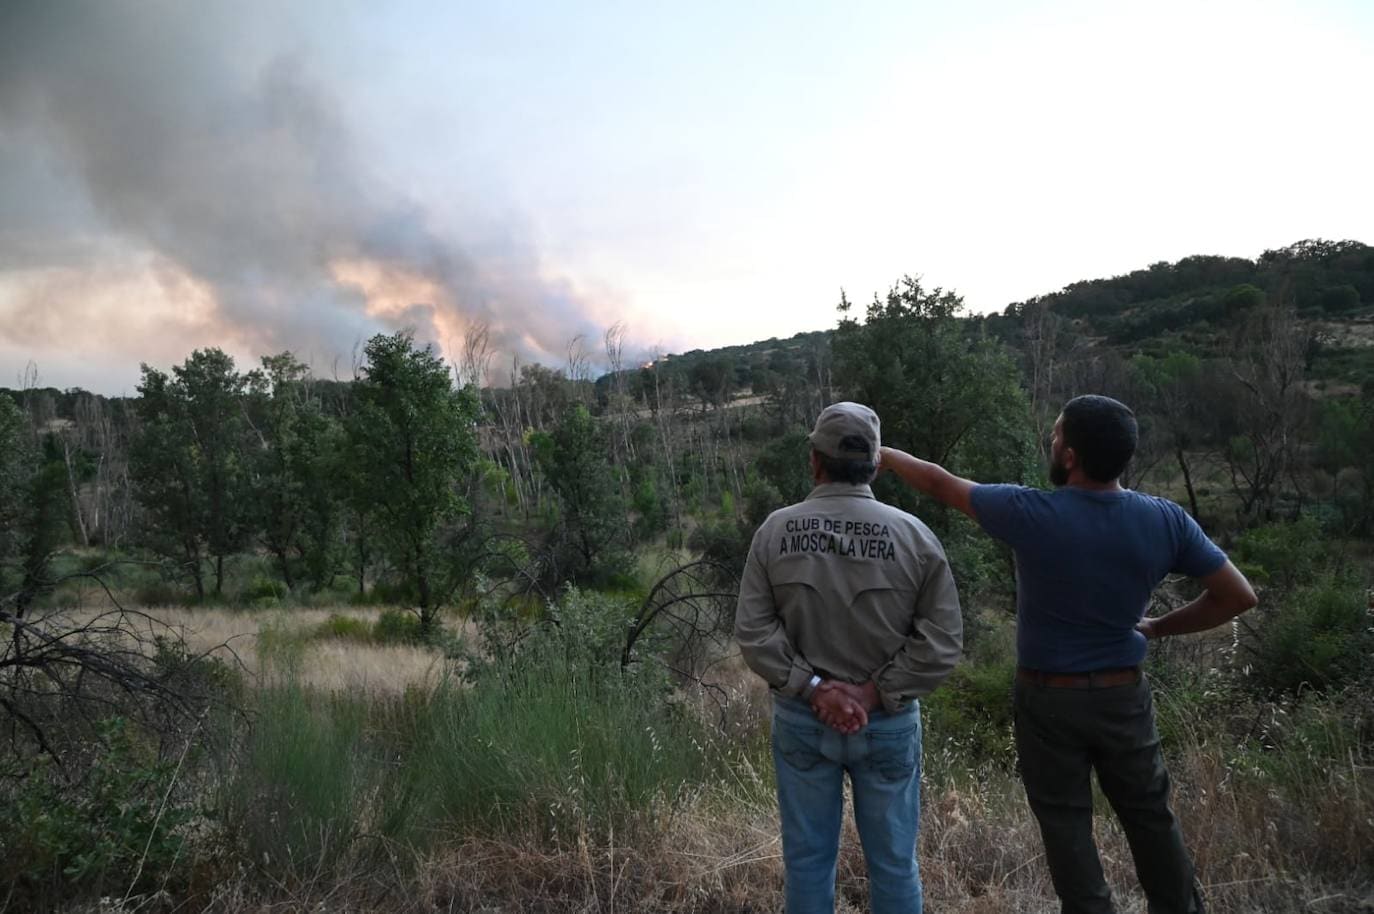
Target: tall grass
<point>299,793</point>
<point>537,775</point>
<point>543,744</point>
<point>565,748</point>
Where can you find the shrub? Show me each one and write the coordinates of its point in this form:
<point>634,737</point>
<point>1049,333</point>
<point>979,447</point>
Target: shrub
<point>263,590</point>
<point>1316,638</point>
<point>196,676</point>
<point>396,626</point>
<point>972,711</point>
<point>1283,554</point>
<point>349,628</point>
<point>725,541</point>
<point>553,732</point>
<point>113,829</point>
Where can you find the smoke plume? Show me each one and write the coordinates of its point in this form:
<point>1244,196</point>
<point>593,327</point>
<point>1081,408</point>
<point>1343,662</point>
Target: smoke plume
<point>185,153</point>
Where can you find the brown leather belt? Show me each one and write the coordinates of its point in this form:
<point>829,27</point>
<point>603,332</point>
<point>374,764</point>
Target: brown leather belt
<point>1097,679</point>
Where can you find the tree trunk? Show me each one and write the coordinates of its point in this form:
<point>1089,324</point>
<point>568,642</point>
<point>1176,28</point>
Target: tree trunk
<point>1187,482</point>
<point>197,573</point>
<point>362,561</point>
<point>427,609</point>
<point>74,494</point>
<point>284,562</point>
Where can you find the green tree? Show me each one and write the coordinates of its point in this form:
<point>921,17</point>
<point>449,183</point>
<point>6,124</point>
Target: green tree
<point>942,390</point>
<point>314,455</point>
<point>712,381</point>
<point>1172,389</point>
<point>35,506</point>
<point>190,462</point>
<point>16,468</point>
<point>294,492</point>
<point>1242,298</point>
<point>1339,299</point>
<point>44,520</point>
<point>1345,448</point>
<point>412,439</point>
<point>591,536</point>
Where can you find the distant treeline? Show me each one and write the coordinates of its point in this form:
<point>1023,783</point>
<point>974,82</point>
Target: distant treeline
<point>417,482</point>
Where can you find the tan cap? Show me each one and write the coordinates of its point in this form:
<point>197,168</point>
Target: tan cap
<point>847,420</point>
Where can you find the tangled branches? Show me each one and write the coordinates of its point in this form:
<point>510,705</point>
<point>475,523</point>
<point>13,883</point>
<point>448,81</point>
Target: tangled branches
<point>688,615</point>
<point>63,673</point>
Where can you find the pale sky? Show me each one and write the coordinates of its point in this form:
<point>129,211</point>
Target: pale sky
<point>260,176</point>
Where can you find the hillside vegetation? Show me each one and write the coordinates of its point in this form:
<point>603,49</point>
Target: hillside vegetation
<point>414,642</point>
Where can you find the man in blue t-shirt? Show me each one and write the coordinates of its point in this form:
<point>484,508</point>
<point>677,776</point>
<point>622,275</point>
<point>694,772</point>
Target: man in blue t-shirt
<point>1088,555</point>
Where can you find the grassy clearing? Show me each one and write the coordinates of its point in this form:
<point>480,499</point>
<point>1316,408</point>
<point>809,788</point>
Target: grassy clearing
<point>330,649</point>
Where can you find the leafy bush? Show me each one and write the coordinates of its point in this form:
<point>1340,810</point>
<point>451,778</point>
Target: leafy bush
<point>113,829</point>
<point>196,676</point>
<point>348,628</point>
<point>650,509</point>
<point>263,590</point>
<point>725,541</point>
<point>1319,638</point>
<point>388,592</point>
<point>972,710</point>
<point>1281,555</point>
<point>396,626</point>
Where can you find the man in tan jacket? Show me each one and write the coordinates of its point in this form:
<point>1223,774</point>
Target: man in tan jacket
<point>848,610</point>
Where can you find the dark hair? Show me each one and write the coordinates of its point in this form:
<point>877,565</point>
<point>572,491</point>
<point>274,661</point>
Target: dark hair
<point>844,469</point>
<point>1103,433</point>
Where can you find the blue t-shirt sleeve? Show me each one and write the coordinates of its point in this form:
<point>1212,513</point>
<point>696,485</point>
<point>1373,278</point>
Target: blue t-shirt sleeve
<point>1197,555</point>
<point>1002,510</point>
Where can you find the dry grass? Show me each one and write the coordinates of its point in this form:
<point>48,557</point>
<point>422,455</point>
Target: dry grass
<point>1260,847</point>
<point>327,664</point>
<point>980,854</point>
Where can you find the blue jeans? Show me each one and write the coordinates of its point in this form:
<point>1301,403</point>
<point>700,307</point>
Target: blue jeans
<point>884,765</point>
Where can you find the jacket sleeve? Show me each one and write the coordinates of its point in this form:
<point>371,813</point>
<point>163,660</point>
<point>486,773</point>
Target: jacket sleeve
<point>759,630</point>
<point>934,646</point>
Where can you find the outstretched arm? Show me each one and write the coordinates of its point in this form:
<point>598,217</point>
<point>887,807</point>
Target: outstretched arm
<point>929,478</point>
<point>1227,595</point>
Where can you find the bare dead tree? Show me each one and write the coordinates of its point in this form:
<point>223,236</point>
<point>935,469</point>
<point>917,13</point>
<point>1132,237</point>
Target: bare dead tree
<point>618,407</point>
<point>474,359</point>
<point>579,365</point>
<point>663,421</point>
<point>1040,326</point>
<point>614,341</point>
<point>1270,407</point>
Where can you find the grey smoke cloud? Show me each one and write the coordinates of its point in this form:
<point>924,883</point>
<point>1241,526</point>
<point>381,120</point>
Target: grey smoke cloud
<point>199,134</point>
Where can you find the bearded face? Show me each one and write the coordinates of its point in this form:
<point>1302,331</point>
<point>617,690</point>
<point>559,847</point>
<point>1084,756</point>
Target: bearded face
<point>1059,474</point>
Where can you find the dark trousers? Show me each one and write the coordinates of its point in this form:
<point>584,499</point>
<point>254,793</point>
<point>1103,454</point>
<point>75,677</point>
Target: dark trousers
<point>1061,735</point>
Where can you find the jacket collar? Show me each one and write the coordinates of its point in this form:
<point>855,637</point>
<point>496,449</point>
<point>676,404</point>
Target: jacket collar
<point>833,489</point>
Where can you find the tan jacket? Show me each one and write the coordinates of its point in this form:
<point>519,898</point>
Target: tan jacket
<point>852,589</point>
